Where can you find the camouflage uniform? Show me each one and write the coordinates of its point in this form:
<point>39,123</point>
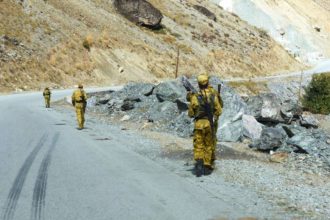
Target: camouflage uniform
<point>79,99</point>
<point>47,95</point>
<point>204,133</point>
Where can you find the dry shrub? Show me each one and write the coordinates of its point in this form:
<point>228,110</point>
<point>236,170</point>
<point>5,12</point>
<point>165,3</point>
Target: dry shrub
<point>169,39</point>
<point>88,42</point>
<point>249,85</point>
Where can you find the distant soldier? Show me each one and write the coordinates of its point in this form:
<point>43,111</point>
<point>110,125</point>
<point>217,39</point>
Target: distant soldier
<point>205,108</point>
<point>79,101</point>
<point>47,95</point>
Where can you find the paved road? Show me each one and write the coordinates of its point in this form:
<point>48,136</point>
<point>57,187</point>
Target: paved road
<point>322,67</point>
<point>50,170</point>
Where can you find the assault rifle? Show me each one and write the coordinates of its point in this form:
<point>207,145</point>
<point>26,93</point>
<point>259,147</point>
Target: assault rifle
<point>187,85</point>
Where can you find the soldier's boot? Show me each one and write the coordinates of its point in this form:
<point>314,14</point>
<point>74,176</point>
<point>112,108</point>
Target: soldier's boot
<point>199,167</point>
<point>208,170</point>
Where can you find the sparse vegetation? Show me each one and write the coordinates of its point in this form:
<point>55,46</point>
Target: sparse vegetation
<point>88,42</point>
<point>251,86</point>
<point>317,97</point>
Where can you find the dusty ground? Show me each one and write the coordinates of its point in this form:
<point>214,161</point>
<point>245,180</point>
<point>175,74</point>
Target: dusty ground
<point>41,43</point>
<point>284,184</point>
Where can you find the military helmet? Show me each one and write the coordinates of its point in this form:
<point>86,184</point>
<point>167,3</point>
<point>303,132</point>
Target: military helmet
<point>203,79</point>
<point>80,85</point>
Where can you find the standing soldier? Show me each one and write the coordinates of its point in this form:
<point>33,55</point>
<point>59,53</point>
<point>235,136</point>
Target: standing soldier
<point>79,101</point>
<point>47,95</point>
<point>205,108</point>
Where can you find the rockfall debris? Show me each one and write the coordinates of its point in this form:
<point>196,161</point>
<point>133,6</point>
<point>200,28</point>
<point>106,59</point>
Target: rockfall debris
<point>271,122</point>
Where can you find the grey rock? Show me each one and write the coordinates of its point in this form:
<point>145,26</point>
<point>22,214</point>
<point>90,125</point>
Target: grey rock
<point>265,108</point>
<point>138,89</point>
<point>114,105</point>
<point>251,128</point>
<point>140,12</point>
<point>129,103</point>
<point>271,139</point>
<point>287,148</point>
<point>182,106</point>
<point>230,122</point>
<point>231,132</point>
<point>205,12</point>
<point>170,91</point>
<point>311,142</point>
<point>183,125</point>
<point>104,100</point>
<point>290,109</point>
<point>163,111</point>
<point>308,120</point>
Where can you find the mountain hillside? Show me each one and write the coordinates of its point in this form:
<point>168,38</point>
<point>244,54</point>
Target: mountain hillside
<point>60,43</point>
<point>301,26</point>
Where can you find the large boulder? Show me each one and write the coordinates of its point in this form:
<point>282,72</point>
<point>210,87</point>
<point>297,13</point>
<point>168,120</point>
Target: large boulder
<point>138,89</point>
<point>230,122</point>
<point>251,127</point>
<point>205,12</point>
<point>140,12</point>
<point>265,108</point>
<point>271,139</point>
<point>170,91</point>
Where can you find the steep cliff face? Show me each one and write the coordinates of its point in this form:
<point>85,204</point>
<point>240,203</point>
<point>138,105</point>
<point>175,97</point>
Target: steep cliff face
<point>301,26</point>
<point>61,43</point>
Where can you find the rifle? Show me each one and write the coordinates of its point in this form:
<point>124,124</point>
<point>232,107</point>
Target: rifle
<point>209,115</point>
<point>187,85</point>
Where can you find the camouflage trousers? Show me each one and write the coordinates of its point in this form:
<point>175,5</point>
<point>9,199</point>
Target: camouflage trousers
<point>47,101</point>
<point>80,113</point>
<point>203,141</point>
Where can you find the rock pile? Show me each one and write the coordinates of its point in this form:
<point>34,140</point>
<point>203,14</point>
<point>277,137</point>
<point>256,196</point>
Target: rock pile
<point>270,122</point>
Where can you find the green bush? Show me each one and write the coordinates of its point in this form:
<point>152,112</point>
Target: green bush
<point>317,97</point>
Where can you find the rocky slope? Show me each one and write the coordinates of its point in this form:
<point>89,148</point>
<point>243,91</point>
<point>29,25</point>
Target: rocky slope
<point>60,43</point>
<point>301,26</point>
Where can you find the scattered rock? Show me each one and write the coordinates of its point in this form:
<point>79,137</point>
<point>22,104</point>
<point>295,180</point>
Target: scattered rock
<point>104,100</point>
<point>140,12</point>
<point>271,139</point>
<point>265,108</point>
<point>121,69</point>
<point>170,91</point>
<point>205,12</point>
<point>129,103</point>
<point>125,118</point>
<point>251,128</point>
<point>308,120</point>
<point>138,89</point>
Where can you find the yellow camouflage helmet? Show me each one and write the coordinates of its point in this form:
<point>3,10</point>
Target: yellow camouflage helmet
<point>203,79</point>
<point>80,85</point>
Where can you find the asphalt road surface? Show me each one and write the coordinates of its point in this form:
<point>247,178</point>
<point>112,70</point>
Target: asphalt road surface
<point>50,170</point>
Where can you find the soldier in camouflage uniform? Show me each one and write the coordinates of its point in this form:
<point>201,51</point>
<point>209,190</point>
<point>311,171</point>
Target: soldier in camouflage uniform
<point>47,95</point>
<point>205,108</point>
<point>79,100</point>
